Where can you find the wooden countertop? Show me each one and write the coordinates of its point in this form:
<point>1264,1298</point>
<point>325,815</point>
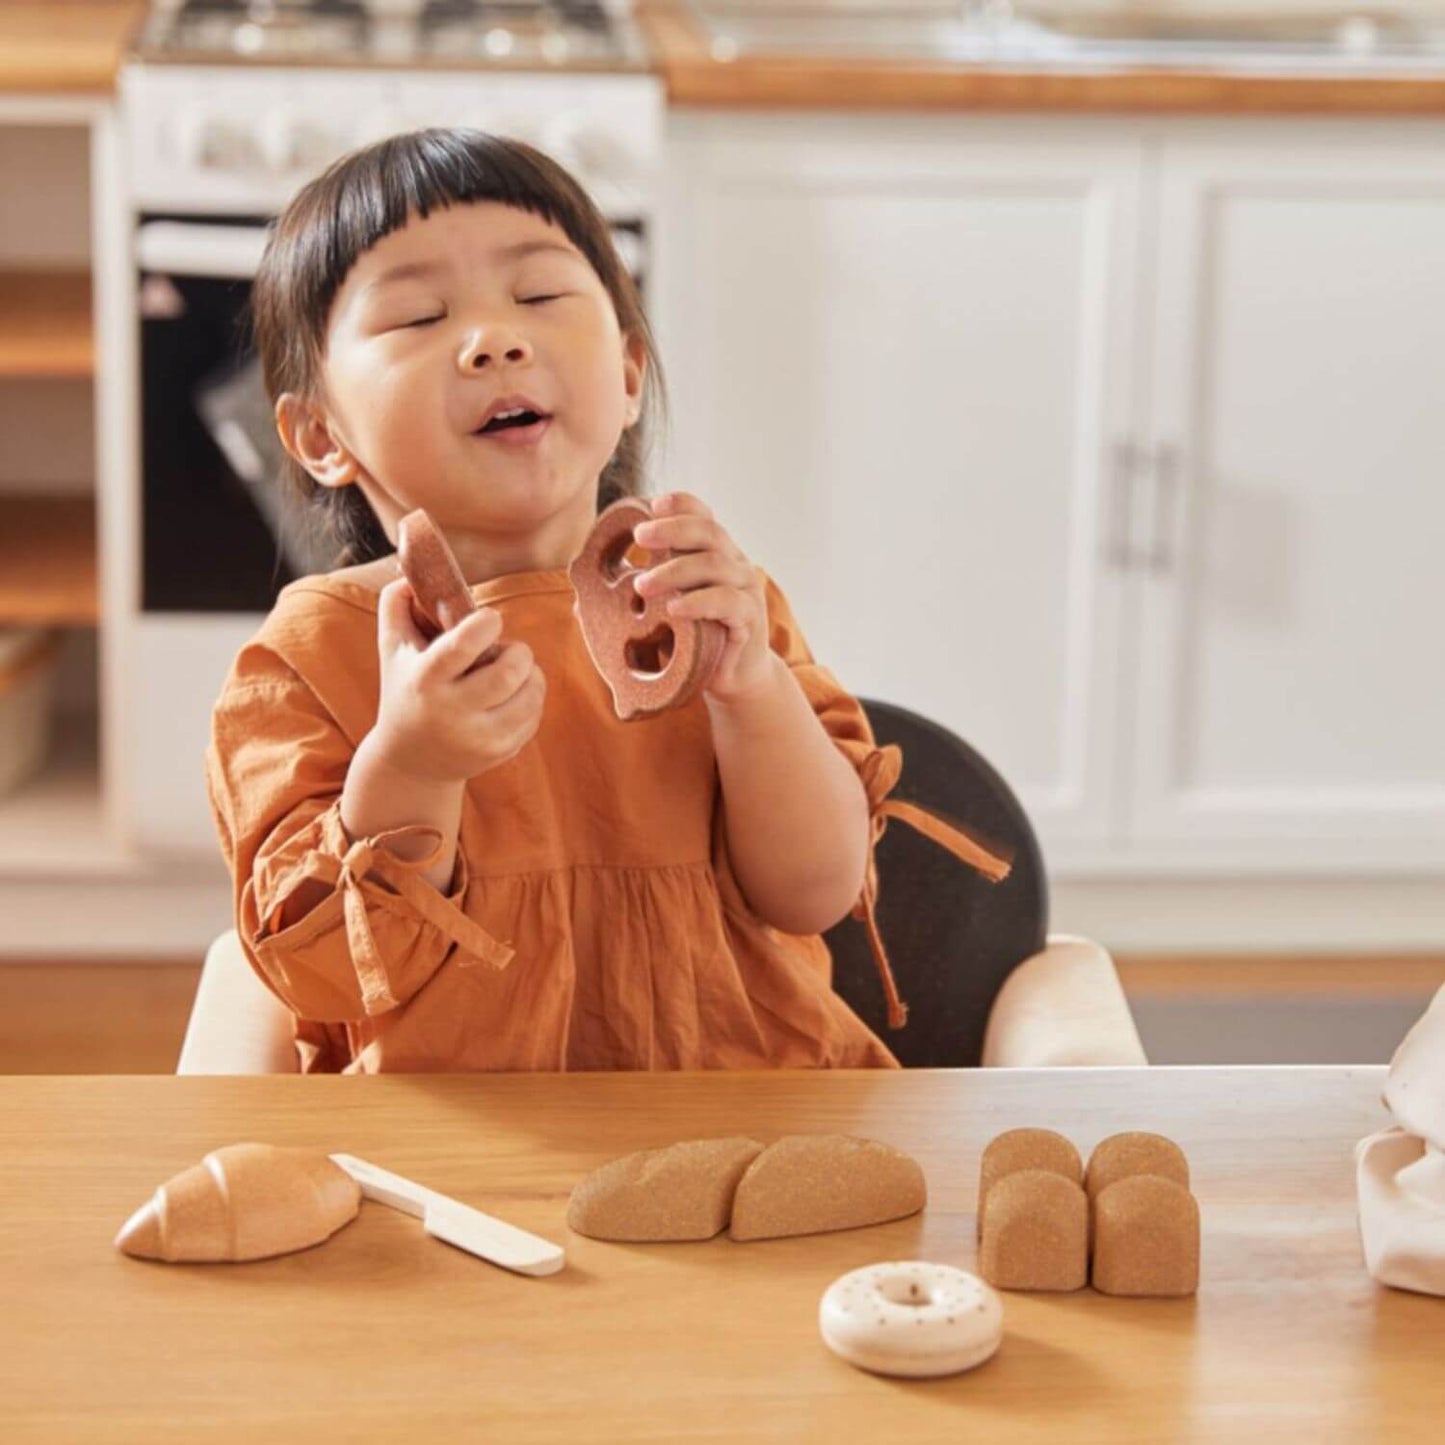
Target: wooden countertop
<point>384,1334</point>
<point>71,48</point>
<point>76,47</point>
<point>694,79</point>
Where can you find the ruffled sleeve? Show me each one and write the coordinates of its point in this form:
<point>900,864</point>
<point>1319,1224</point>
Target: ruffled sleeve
<point>879,769</point>
<point>275,768</point>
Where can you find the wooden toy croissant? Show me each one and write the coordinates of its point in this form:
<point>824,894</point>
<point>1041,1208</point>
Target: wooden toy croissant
<point>246,1201</point>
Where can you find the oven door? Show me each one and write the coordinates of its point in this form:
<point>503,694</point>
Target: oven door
<point>214,535</point>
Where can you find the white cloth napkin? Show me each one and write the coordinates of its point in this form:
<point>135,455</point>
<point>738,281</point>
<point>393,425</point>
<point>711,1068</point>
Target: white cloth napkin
<point>1400,1172</point>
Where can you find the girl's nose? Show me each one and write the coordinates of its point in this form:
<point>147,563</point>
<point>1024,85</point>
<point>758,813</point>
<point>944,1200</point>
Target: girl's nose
<point>487,347</point>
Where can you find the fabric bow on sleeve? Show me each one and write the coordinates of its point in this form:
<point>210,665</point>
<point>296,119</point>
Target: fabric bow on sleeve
<point>880,772</point>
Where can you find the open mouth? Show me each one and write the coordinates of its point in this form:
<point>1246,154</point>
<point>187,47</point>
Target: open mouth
<point>512,421</point>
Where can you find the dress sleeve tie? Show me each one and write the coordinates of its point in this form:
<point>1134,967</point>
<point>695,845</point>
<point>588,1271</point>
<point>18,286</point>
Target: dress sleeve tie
<point>880,772</point>
<point>366,856</point>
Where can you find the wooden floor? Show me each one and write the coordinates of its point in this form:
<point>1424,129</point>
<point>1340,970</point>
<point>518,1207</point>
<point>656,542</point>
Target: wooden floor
<point>126,1016</point>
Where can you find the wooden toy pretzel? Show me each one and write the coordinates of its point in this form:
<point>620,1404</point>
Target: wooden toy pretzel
<point>429,565</point>
<point>649,661</point>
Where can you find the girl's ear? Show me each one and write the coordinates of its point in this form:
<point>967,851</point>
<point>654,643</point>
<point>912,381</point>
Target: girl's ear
<point>307,435</point>
<point>634,372</point>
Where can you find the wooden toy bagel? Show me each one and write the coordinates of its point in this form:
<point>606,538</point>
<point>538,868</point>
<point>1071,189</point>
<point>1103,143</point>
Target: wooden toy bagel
<point>649,661</point>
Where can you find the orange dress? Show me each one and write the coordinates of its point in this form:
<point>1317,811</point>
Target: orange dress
<point>593,920</point>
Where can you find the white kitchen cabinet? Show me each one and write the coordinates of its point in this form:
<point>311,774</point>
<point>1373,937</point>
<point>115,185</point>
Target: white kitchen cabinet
<point>1115,447</point>
<point>899,360</point>
<point>1290,699</point>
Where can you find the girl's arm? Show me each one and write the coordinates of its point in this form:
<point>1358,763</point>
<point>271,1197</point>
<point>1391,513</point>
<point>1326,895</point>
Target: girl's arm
<point>794,810</point>
<point>376,798</point>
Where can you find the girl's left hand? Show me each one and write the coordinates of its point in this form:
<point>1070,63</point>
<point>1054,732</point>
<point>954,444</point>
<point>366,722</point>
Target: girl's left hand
<point>715,581</point>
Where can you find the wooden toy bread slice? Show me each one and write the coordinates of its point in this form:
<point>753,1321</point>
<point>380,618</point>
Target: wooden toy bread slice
<point>682,1192</point>
<point>440,592</point>
<point>246,1201</point>
<point>811,1183</point>
<point>1121,1155</point>
<point>1036,1233</point>
<point>649,660</point>
<point>1146,1237</point>
<point>1018,1149</point>
<point>442,597</point>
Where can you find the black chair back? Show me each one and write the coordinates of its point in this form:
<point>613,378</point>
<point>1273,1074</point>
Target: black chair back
<point>952,936</point>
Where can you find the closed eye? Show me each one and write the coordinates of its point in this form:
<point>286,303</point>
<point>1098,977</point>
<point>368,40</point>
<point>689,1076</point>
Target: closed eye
<point>537,300</point>
<point>422,321</point>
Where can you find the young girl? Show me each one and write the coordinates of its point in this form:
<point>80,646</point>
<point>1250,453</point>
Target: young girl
<point>443,865</point>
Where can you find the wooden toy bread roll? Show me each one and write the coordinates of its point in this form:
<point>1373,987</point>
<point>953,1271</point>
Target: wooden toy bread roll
<point>649,661</point>
<point>1018,1149</point>
<point>812,1183</point>
<point>1121,1155</point>
<point>1036,1236</point>
<point>1146,1237</point>
<point>682,1192</point>
<point>246,1201</point>
<point>442,597</point>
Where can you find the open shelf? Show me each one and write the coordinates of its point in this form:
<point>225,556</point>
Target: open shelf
<point>48,561</point>
<point>56,824</point>
<point>45,325</point>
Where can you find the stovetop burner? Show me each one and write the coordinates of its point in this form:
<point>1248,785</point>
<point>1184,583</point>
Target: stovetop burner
<point>515,34</point>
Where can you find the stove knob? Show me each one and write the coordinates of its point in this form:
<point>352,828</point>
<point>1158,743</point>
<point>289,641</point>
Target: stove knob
<point>203,142</point>
<point>595,155</point>
<point>280,141</point>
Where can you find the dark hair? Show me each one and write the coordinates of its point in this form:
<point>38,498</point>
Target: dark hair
<point>334,219</point>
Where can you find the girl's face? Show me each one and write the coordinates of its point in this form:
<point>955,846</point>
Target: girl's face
<point>430,329</point>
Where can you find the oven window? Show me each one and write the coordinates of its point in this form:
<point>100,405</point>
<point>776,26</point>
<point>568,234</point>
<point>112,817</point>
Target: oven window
<point>213,535</point>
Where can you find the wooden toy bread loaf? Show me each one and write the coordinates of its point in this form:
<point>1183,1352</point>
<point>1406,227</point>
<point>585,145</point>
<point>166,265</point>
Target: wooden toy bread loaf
<point>1017,1149</point>
<point>1036,1235</point>
<point>649,662</point>
<point>814,1183</point>
<point>246,1201</point>
<point>803,1184</point>
<point>1144,1220</point>
<point>1121,1155</point>
<point>682,1192</point>
<point>1146,1237</point>
<point>1128,1221</point>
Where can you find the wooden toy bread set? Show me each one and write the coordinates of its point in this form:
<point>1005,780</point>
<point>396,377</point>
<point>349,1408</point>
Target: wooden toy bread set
<point>1128,1224</point>
<point>803,1184</point>
<point>649,661</point>
<point>900,1317</point>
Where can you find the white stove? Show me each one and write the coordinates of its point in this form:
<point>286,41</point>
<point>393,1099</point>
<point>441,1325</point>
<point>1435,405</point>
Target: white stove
<point>532,34</point>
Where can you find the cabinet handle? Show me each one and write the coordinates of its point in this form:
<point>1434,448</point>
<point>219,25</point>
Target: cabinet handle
<point>1123,467</point>
<point>1166,494</point>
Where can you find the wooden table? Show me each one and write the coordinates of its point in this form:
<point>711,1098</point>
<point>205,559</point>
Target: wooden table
<point>384,1334</point>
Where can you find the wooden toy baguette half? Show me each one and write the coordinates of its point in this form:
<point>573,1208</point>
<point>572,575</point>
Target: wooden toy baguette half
<point>682,1192</point>
<point>243,1202</point>
<point>814,1183</point>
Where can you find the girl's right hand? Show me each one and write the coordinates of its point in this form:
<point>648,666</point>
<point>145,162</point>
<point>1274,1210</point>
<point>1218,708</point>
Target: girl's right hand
<point>443,718</point>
